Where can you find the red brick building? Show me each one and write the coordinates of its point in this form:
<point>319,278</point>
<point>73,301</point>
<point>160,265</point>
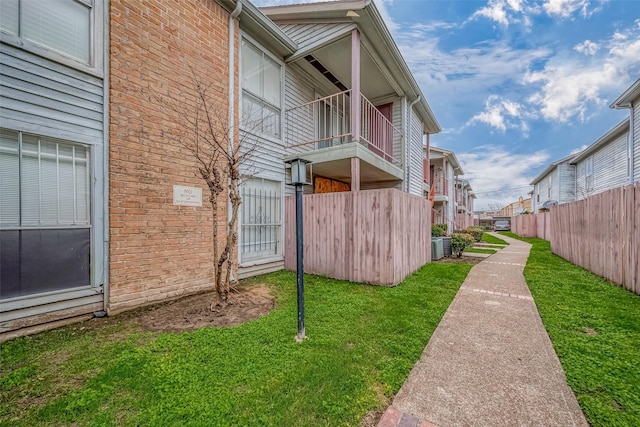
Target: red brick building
<point>159,250</point>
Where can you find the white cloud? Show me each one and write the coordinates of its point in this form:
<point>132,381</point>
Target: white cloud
<point>587,47</point>
<point>496,11</point>
<point>502,114</point>
<point>571,86</point>
<point>565,8</point>
<point>505,12</point>
<point>499,176</point>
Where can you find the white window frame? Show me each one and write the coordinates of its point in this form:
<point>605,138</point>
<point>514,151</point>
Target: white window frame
<point>64,296</point>
<point>243,125</point>
<point>94,65</point>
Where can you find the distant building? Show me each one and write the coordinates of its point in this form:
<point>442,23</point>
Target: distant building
<point>515,208</point>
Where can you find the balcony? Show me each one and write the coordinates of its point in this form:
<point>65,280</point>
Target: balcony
<point>321,131</point>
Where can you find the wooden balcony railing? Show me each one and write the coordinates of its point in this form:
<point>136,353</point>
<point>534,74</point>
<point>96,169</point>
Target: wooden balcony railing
<point>377,131</point>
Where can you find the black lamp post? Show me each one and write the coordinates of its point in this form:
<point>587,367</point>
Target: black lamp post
<point>299,178</point>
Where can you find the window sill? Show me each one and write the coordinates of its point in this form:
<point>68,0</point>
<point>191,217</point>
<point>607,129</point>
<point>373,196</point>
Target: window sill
<point>254,262</point>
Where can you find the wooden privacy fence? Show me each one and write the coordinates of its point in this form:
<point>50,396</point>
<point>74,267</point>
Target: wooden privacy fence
<point>372,236</point>
<point>600,234</point>
<point>538,225</point>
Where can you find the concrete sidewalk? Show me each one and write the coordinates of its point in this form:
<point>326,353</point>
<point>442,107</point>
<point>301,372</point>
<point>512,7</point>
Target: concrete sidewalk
<point>490,361</point>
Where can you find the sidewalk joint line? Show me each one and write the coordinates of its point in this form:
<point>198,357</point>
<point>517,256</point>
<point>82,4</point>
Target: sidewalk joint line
<point>504,263</point>
<point>499,294</point>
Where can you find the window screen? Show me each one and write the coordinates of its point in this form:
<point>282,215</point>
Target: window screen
<point>45,230</point>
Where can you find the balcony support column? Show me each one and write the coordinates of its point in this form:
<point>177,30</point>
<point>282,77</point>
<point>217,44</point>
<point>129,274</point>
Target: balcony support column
<point>355,174</point>
<point>355,85</point>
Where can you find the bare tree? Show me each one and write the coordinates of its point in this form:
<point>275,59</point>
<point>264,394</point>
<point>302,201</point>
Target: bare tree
<point>219,157</point>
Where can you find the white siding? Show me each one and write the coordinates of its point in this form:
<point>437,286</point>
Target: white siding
<point>636,139</point>
<point>610,168</point>
<point>566,183</point>
<point>581,188</point>
<point>44,97</point>
<point>451,204</point>
<point>313,34</point>
<point>547,188</point>
<point>298,90</point>
<point>416,147</point>
<point>398,140</point>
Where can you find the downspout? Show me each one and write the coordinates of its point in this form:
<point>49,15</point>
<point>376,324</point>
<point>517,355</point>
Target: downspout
<point>408,143</point>
<point>105,159</point>
<point>232,92</point>
<point>232,68</point>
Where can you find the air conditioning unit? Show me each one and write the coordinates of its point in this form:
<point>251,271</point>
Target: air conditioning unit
<point>446,246</point>
<point>436,248</point>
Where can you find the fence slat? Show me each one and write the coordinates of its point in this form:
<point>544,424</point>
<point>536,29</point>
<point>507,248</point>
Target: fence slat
<point>371,236</point>
<point>600,233</point>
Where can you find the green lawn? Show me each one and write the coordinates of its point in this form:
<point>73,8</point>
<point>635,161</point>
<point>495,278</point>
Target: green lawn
<point>595,329</point>
<point>488,238</point>
<point>363,341</point>
<point>481,250</point>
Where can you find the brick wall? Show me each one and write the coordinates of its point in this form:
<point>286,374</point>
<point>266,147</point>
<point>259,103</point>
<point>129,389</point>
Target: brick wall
<point>158,250</point>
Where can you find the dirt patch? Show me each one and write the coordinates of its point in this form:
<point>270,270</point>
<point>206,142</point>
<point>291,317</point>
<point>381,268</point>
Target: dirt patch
<point>194,312</point>
<point>371,419</point>
<point>461,260</point>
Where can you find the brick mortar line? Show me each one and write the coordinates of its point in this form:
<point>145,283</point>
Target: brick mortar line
<point>500,294</point>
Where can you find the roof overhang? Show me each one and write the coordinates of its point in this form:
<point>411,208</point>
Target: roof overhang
<point>450,156</point>
<point>370,23</point>
<point>626,99</point>
<point>618,130</point>
<point>551,167</point>
<point>257,25</point>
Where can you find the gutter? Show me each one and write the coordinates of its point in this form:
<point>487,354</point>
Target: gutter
<point>232,95</point>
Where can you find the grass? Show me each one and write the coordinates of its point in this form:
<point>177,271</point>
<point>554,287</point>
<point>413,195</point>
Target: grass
<point>363,341</point>
<point>481,250</point>
<point>488,238</point>
<point>595,329</point>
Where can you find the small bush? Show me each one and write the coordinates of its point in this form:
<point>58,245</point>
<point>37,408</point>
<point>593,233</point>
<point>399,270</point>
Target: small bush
<point>445,227</point>
<point>476,232</point>
<point>460,241</point>
<point>437,230</point>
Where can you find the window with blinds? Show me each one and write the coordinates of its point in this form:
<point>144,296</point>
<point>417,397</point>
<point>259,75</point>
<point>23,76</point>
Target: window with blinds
<point>45,227</point>
<point>44,182</point>
<point>61,25</point>
<point>261,91</point>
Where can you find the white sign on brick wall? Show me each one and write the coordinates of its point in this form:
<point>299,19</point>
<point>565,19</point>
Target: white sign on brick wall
<point>187,196</point>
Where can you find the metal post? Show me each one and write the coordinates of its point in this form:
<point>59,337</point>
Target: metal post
<point>300,262</point>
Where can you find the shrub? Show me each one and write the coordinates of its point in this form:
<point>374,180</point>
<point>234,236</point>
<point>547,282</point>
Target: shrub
<point>476,232</point>
<point>437,230</point>
<point>445,227</point>
<point>459,242</point>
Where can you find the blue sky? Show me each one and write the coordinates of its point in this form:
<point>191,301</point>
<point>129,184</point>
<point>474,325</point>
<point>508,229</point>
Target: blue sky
<point>516,84</point>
